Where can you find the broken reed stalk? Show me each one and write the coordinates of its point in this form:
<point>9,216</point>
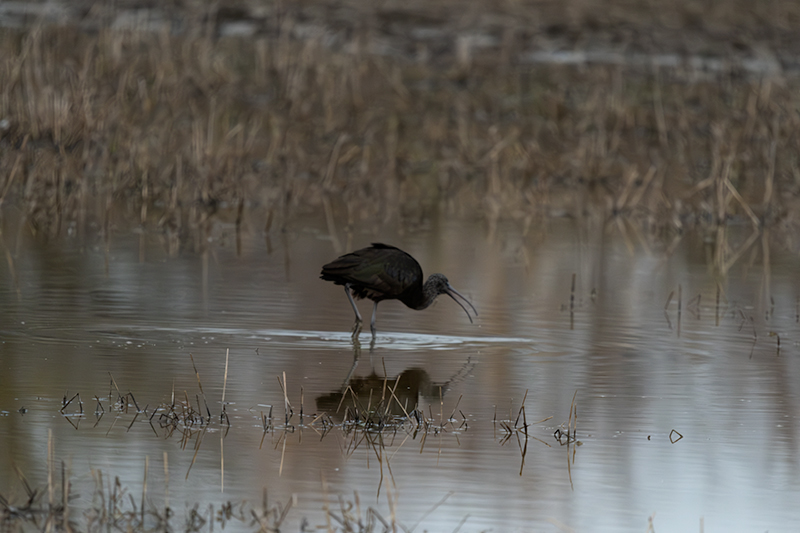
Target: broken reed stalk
<point>441,408</point>
<point>114,384</point>
<point>693,306</point>
<point>197,375</point>
<point>133,399</point>
<point>65,489</point>
<point>225,384</point>
<point>144,484</point>
<point>283,452</point>
<point>65,402</point>
<point>50,466</point>
<point>453,414</point>
<point>572,424</point>
<point>522,408</point>
<point>99,409</point>
<point>573,420</point>
<point>196,450</point>
<point>396,399</point>
<point>680,303</point>
<point>287,406</point>
<point>167,511</point>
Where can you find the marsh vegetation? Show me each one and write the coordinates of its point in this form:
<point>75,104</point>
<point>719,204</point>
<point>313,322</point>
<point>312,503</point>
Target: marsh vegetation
<point>175,129</point>
<point>614,187</point>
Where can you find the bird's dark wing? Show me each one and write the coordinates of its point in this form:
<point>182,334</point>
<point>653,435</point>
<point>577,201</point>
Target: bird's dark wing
<point>378,272</point>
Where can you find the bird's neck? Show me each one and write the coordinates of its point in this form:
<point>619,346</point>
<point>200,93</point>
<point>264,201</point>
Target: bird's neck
<point>421,298</point>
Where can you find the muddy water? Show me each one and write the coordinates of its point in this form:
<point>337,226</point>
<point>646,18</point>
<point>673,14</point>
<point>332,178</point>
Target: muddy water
<point>80,310</point>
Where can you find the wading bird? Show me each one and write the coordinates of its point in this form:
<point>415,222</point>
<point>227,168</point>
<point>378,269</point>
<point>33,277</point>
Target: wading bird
<point>383,272</point>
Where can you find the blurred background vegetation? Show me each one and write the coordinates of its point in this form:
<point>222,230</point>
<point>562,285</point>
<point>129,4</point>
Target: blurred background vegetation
<point>668,114</point>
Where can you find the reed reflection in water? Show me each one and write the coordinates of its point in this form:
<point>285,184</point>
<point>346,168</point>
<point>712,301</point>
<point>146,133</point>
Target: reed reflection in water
<point>575,326</point>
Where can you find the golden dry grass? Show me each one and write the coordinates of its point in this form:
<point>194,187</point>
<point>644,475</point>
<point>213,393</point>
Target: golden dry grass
<point>178,128</point>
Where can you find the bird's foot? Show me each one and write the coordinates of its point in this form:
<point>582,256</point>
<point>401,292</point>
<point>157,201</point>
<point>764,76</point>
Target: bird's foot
<point>356,330</point>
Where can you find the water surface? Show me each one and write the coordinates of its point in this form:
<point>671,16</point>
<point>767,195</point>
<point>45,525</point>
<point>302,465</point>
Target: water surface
<point>76,312</point>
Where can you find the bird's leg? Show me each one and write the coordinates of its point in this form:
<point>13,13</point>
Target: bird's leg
<point>354,333</point>
<point>357,325</point>
<point>356,356</point>
<point>372,322</point>
<point>352,302</point>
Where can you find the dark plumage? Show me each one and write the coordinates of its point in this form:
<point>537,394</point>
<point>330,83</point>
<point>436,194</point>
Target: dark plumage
<point>383,272</point>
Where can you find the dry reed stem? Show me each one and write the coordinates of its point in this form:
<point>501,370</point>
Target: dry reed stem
<point>225,378</point>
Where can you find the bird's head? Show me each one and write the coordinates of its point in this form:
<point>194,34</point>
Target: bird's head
<point>437,284</point>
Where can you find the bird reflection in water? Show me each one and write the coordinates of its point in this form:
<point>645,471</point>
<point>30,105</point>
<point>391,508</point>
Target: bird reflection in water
<point>399,395</point>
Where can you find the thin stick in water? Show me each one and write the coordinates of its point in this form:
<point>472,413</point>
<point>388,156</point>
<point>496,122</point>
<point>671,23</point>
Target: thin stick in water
<point>50,459</point>
<point>144,485</point>
<point>225,379</point>
<point>166,484</point>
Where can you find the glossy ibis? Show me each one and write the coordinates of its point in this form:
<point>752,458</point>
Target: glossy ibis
<point>383,272</point>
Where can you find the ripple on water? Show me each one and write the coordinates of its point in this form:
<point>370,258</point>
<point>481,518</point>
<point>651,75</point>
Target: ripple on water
<point>311,338</point>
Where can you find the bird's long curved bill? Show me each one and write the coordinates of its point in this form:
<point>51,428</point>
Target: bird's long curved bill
<point>452,293</point>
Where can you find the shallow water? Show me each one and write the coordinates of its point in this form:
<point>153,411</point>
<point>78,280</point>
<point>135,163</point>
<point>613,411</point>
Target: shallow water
<point>78,311</point>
